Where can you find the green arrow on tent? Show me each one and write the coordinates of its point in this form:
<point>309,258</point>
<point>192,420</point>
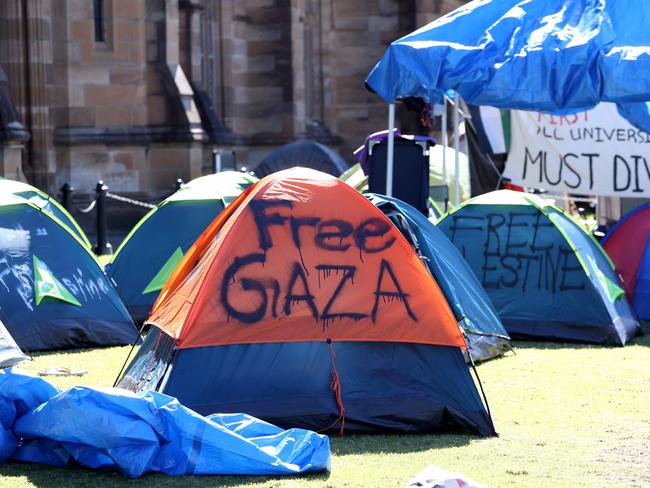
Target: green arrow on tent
<point>158,281</point>
<point>46,285</point>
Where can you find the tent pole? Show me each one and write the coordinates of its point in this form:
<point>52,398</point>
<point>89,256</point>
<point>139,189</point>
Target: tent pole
<point>445,142</point>
<point>456,151</point>
<point>391,148</point>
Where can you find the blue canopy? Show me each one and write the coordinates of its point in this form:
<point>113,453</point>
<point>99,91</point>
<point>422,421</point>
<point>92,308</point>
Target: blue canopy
<point>110,428</point>
<point>545,55</point>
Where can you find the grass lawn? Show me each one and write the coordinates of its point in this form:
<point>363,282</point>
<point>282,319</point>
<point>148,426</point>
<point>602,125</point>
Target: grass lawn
<point>568,415</point>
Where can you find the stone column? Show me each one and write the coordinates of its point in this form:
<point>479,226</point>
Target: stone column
<point>12,135</point>
<point>37,15</point>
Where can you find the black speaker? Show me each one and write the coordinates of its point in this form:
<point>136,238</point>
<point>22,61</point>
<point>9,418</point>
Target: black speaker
<point>410,171</point>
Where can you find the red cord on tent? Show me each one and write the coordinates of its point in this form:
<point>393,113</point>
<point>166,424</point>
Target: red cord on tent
<point>336,388</point>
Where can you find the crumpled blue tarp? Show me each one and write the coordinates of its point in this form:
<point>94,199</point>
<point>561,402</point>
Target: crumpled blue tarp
<point>19,394</point>
<point>114,429</point>
<point>544,55</point>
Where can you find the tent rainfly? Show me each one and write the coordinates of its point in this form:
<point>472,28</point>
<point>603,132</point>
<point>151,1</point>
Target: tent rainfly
<point>303,305</point>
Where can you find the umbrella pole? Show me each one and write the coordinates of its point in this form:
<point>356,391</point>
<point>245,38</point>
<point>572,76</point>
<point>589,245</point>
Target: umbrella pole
<point>391,148</point>
<point>456,151</point>
<point>445,142</point>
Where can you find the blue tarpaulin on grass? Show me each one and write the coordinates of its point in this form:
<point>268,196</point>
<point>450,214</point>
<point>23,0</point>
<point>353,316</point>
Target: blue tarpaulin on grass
<point>19,394</point>
<point>544,55</point>
<point>114,429</point>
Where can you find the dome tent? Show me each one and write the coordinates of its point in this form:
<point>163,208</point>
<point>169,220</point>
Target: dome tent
<point>627,244</point>
<point>58,295</point>
<point>45,202</point>
<point>299,281</point>
<point>304,153</point>
<point>546,276</point>
<point>486,336</point>
<point>157,243</point>
<point>10,353</point>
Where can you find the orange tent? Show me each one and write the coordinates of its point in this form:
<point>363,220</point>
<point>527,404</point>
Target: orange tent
<point>303,257</point>
<point>299,258</point>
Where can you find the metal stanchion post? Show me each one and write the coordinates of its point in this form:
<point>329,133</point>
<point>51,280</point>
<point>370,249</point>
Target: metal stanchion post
<point>103,246</point>
<point>66,196</point>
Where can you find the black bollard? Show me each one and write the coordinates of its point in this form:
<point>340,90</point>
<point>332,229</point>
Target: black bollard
<point>66,196</point>
<point>103,246</point>
<point>179,184</point>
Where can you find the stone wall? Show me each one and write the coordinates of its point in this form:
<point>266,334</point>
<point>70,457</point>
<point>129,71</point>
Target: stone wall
<point>141,94</point>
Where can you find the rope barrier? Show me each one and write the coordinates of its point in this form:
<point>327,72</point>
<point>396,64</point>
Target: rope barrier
<point>88,208</point>
<point>120,198</point>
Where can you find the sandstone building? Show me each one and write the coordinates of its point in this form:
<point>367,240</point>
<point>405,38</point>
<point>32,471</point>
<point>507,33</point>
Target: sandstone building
<point>141,92</point>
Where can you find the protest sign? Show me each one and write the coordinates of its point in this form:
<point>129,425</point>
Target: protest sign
<point>596,152</point>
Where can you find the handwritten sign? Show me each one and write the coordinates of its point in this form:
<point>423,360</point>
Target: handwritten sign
<point>17,271</point>
<point>596,152</point>
<point>520,251</point>
<point>274,296</point>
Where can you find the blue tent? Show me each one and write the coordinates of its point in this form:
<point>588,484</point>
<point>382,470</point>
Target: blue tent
<point>58,295</point>
<point>304,153</point>
<point>487,338</point>
<point>545,275</point>
<point>524,54</point>
<point>154,247</point>
<point>112,429</point>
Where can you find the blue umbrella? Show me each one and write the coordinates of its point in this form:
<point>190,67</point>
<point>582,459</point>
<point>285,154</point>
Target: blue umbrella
<point>544,55</point>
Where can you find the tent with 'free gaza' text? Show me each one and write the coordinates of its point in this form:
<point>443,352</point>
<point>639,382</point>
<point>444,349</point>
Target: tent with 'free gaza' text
<point>546,276</point>
<point>151,251</point>
<point>303,305</point>
<point>55,295</point>
<point>628,245</point>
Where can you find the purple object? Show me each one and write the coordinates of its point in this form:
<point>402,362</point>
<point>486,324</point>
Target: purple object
<point>362,153</point>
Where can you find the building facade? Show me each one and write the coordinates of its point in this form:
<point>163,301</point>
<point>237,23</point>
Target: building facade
<point>142,92</point>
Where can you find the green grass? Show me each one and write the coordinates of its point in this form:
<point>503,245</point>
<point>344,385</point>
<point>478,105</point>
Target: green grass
<point>568,415</point>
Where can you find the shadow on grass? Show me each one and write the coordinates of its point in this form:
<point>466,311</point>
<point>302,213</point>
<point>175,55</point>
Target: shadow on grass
<point>640,340</point>
<point>77,351</point>
<point>76,476</point>
<point>396,444</point>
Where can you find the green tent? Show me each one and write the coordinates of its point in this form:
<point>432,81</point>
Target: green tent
<point>151,251</point>
<point>53,293</point>
<point>546,276</point>
<point>45,202</point>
